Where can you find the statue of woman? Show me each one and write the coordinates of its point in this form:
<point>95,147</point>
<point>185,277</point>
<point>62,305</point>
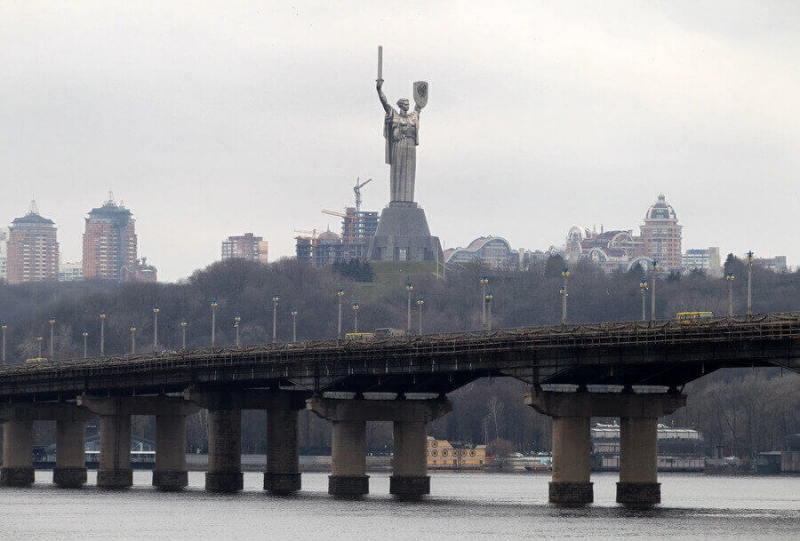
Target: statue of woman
<point>401,131</point>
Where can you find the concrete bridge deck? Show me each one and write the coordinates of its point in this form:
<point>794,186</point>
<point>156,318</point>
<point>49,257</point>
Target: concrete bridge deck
<point>654,353</point>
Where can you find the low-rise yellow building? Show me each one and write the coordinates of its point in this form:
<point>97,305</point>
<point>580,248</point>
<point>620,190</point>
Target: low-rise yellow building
<point>443,456</point>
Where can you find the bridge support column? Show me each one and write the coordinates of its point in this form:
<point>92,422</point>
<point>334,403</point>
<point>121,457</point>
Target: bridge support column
<point>70,470</point>
<point>115,470</point>
<point>224,450</point>
<point>571,461</point>
<point>638,484</point>
<point>17,470</point>
<point>282,475</point>
<point>349,459</point>
<point>170,471</point>
<point>349,419</point>
<point>410,473</point>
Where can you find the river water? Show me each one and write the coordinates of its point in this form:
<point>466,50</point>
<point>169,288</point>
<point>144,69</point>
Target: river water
<point>463,506</point>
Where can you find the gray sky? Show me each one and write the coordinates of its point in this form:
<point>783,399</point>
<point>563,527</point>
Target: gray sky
<point>211,119</point>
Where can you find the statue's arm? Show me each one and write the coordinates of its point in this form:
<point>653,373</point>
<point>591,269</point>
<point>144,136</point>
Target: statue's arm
<point>382,96</point>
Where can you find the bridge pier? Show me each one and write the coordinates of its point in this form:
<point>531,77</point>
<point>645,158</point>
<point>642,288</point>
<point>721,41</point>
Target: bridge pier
<point>638,461</point>
<point>282,474</point>
<point>349,418</point>
<point>70,469</point>
<point>17,470</point>
<point>572,412</point>
<point>115,438</point>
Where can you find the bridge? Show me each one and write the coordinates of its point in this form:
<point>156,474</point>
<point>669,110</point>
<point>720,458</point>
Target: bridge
<point>634,370</point>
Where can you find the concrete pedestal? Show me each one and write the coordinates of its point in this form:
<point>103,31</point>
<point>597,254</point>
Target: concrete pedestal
<point>17,470</point>
<point>571,493</point>
<point>115,479</point>
<point>70,470</point>
<point>639,494</point>
<point>406,486</point>
<point>348,485</point>
<point>403,235</point>
<point>224,451</point>
<point>282,475</point>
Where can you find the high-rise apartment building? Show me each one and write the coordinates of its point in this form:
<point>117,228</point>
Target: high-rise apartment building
<point>245,246</point>
<point>109,241</point>
<point>32,249</point>
<point>661,235</point>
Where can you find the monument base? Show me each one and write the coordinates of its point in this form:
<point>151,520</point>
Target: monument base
<point>403,235</point>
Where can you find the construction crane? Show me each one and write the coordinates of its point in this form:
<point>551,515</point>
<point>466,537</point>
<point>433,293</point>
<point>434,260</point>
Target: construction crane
<point>357,191</point>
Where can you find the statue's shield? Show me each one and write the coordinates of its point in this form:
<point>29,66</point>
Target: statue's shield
<point>421,93</point>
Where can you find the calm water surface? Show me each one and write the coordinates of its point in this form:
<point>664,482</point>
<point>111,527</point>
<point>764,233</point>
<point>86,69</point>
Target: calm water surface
<point>463,506</point>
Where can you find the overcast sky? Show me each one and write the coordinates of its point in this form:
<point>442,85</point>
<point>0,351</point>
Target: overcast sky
<point>211,119</point>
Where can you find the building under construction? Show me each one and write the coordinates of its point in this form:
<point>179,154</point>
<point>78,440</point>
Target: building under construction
<point>328,247</point>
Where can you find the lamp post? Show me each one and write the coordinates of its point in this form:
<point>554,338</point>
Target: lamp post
<point>183,333</point>
<point>294,324</point>
<point>484,281</point>
<point>409,289</point>
<point>102,332</point>
<point>643,287</point>
<point>654,267</point>
<point>355,316</point>
<point>52,335</point>
<point>4,327</point>
<point>133,339</point>
<point>340,294</point>
<point>236,320</point>
<point>420,302</point>
<point>156,310</point>
<point>39,339</point>
<point>213,322</point>
<point>85,335</point>
<point>489,298</point>
<point>749,283</point>
<point>730,277</point>
<point>275,300</point>
<point>564,294</point>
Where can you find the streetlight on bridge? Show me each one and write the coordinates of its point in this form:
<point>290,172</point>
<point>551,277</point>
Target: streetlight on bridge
<point>643,287</point>
<point>275,300</point>
<point>294,324</point>
<point>654,267</point>
<point>730,277</point>
<point>355,316</point>
<point>484,281</point>
<point>564,294</point>
<point>85,335</point>
<point>409,289</point>
<point>52,333</point>
<point>39,339</point>
<point>102,332</point>
<point>183,333</point>
<point>489,298</point>
<point>339,295</point>
<point>213,322</point>
<point>156,310</point>
<point>133,339</point>
<point>236,320</point>
<point>750,259</point>
<point>420,302</point>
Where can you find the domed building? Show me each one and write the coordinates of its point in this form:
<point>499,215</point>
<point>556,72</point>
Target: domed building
<point>661,235</point>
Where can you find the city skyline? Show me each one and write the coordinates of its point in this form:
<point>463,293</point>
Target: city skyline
<point>540,117</point>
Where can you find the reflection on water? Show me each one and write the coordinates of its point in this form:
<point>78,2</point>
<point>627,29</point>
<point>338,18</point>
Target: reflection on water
<point>463,506</point>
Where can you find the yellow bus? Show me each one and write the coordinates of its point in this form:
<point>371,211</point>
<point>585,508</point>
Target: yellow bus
<point>692,317</point>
